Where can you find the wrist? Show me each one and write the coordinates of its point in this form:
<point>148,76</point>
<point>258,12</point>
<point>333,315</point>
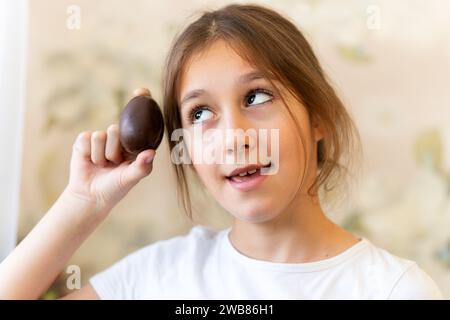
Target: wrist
<point>81,209</point>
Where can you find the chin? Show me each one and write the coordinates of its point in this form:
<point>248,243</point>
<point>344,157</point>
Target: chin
<point>254,213</point>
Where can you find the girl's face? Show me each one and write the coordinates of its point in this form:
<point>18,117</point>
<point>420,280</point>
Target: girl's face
<point>231,95</point>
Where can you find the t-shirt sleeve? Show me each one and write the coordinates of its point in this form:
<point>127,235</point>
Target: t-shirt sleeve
<point>415,284</point>
<point>133,277</point>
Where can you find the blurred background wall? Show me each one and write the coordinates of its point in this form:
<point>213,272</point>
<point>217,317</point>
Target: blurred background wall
<point>389,61</point>
<point>13,49</point>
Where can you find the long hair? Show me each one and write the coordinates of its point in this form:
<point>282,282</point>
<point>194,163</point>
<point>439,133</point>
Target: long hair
<point>272,43</point>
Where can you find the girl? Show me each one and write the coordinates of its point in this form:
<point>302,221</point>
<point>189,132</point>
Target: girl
<point>241,67</point>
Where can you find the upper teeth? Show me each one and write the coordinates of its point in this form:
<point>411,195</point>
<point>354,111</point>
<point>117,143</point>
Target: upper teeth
<point>245,173</point>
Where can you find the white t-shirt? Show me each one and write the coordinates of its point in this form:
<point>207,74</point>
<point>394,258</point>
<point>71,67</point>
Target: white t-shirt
<point>203,264</point>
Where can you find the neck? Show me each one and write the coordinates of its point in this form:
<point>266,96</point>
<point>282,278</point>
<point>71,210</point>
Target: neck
<point>301,233</point>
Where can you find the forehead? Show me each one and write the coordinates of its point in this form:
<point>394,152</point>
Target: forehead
<point>218,61</point>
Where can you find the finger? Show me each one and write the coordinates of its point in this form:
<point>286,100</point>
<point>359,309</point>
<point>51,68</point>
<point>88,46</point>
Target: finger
<point>82,144</point>
<point>98,143</point>
<point>142,92</point>
<point>139,168</point>
<point>113,149</point>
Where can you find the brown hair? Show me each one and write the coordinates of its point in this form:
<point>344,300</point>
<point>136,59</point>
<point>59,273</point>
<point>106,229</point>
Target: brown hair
<point>269,41</point>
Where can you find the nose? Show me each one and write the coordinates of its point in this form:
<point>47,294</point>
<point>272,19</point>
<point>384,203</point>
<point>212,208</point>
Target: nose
<point>239,133</point>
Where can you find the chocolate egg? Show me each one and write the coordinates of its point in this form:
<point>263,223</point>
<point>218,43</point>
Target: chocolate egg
<point>141,125</point>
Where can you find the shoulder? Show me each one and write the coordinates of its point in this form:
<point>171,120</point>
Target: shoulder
<point>197,240</point>
<point>185,250</point>
<point>132,276</point>
<point>416,284</point>
<point>396,277</point>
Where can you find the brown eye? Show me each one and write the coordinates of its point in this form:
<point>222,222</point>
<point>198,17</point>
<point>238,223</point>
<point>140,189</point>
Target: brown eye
<point>200,114</point>
<point>258,96</point>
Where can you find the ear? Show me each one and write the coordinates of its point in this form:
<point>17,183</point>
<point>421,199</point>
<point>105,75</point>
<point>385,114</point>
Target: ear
<point>317,129</point>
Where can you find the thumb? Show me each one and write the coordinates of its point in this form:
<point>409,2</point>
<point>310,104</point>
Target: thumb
<point>139,168</point>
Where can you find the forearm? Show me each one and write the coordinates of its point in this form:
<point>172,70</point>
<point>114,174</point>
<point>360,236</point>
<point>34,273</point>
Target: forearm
<point>32,267</point>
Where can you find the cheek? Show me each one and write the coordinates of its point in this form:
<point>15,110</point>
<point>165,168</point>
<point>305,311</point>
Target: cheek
<point>208,175</point>
<point>294,146</point>
<point>204,146</point>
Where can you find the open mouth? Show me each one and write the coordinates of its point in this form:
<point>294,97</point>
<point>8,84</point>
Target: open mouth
<point>245,175</point>
<point>247,178</point>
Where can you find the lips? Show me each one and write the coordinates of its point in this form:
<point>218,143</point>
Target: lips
<point>247,178</point>
<point>245,171</point>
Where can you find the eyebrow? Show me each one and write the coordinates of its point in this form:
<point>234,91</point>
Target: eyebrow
<point>247,77</point>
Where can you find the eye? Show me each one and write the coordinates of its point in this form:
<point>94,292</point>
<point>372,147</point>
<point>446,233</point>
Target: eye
<point>200,114</point>
<point>258,96</point>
